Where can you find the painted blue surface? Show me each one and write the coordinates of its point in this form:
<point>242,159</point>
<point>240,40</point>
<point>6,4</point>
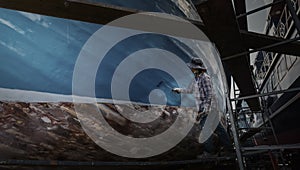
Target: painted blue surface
<point>38,53</point>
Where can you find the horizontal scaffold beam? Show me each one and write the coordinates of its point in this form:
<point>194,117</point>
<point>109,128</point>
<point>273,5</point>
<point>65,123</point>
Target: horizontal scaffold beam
<point>272,147</point>
<point>254,40</point>
<point>58,163</point>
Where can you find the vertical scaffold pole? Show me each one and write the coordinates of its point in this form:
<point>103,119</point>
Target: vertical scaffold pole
<point>235,135</point>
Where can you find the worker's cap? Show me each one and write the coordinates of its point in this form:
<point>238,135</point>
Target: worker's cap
<point>196,63</point>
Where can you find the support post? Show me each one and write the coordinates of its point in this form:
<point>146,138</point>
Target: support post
<point>235,135</point>
<point>293,14</point>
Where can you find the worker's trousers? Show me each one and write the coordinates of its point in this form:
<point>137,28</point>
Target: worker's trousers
<point>222,134</point>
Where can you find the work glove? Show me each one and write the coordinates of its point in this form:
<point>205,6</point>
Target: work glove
<point>199,116</point>
<point>201,113</point>
<point>176,90</point>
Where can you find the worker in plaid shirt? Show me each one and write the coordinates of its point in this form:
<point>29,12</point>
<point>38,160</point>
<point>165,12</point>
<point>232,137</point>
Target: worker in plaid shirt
<point>201,87</point>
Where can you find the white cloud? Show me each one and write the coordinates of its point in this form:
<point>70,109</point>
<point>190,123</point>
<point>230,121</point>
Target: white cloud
<point>32,17</point>
<point>16,50</point>
<point>35,18</point>
<point>36,96</point>
<point>45,24</point>
<point>12,26</point>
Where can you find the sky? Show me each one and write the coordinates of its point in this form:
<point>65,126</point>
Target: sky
<point>257,21</point>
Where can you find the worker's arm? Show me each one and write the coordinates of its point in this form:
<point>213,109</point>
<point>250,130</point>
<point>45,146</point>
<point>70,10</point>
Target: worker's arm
<point>190,89</point>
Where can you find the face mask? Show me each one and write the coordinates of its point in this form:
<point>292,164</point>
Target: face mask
<point>195,71</point>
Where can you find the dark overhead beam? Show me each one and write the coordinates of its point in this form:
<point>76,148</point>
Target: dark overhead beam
<point>240,9</point>
<point>89,12</point>
<point>254,40</point>
<point>221,25</point>
<point>100,13</point>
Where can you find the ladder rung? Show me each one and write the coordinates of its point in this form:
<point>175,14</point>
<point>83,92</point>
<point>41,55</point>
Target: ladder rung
<point>249,133</point>
<point>254,152</point>
<point>271,147</point>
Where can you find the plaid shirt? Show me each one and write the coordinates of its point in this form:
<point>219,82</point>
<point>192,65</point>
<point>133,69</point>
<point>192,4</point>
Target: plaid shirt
<point>201,87</point>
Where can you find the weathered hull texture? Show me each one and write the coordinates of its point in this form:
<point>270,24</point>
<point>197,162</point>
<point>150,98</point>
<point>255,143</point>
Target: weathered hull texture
<point>51,131</point>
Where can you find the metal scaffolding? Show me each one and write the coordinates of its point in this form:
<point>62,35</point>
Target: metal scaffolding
<point>275,150</point>
<point>245,143</point>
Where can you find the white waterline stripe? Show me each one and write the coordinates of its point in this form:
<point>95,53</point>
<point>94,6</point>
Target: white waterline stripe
<point>17,95</point>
